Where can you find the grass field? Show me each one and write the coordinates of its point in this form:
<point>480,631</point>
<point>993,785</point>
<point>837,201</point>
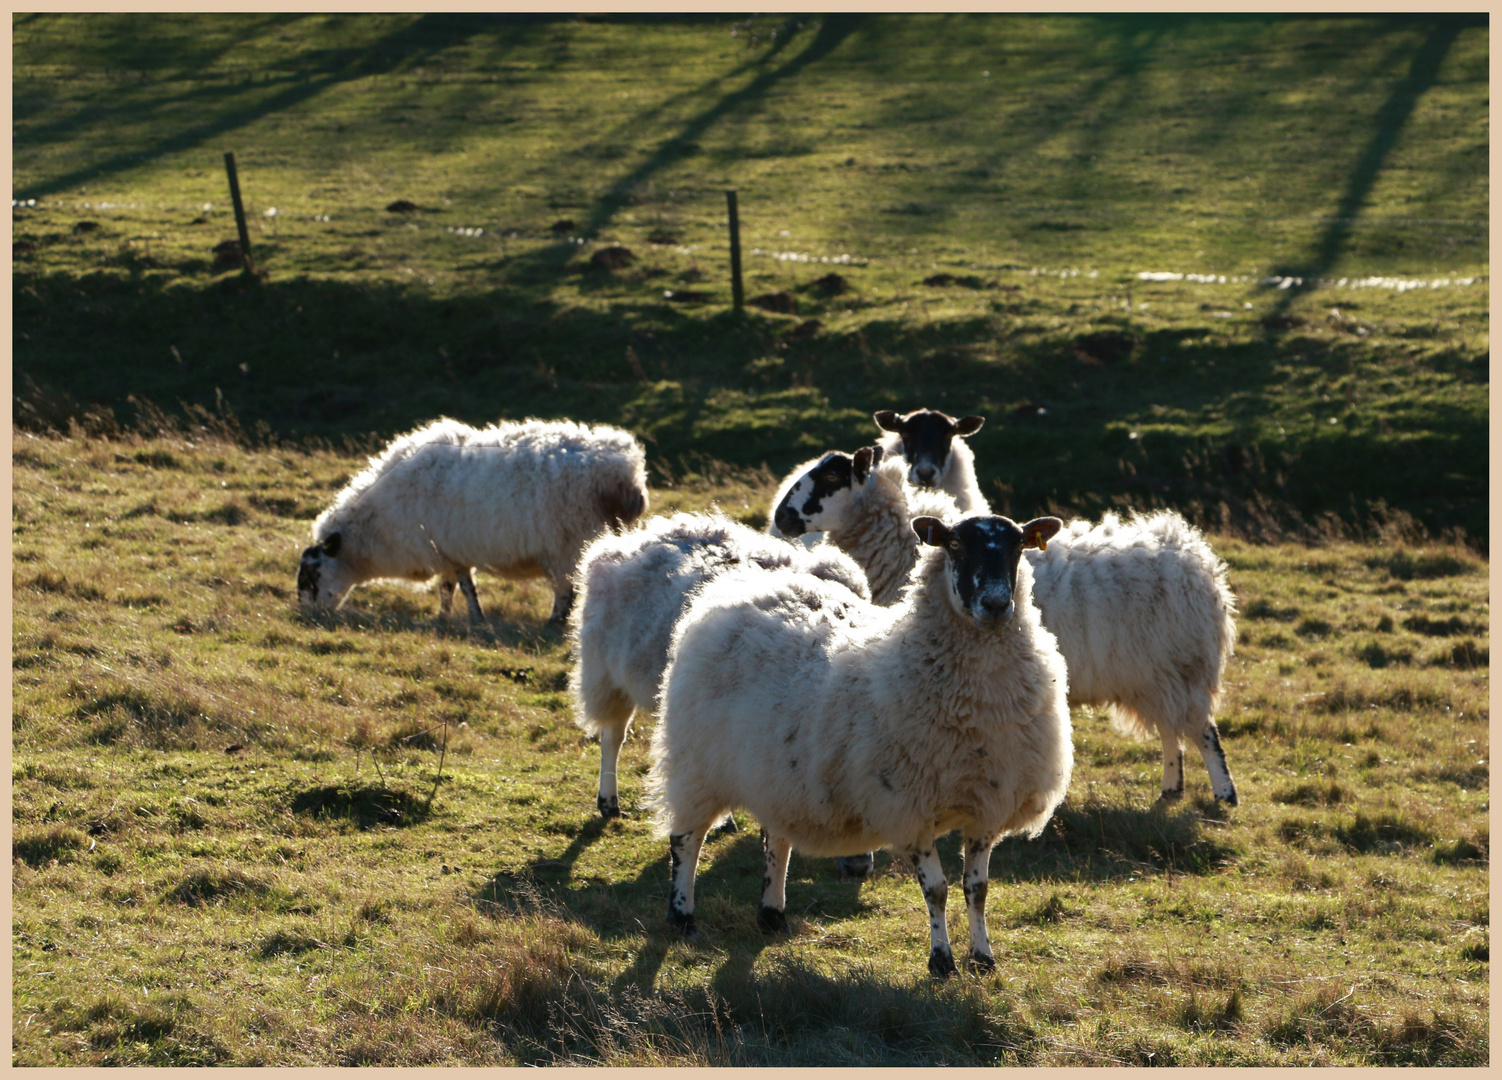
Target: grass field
<point>230,842</point>
<point>299,900</point>
<point>1042,164</point>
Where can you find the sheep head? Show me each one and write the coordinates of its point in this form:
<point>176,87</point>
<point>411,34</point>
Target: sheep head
<point>927,438</point>
<point>322,578</point>
<point>983,553</point>
<point>820,498</point>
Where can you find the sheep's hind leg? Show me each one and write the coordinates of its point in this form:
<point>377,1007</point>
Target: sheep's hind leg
<point>858,866</point>
<point>683,850</point>
<point>977,870</point>
<point>467,587</point>
<point>1215,763</point>
<point>612,735</point>
<point>1173,765</point>
<point>925,861</point>
<point>775,851</point>
<point>446,595</point>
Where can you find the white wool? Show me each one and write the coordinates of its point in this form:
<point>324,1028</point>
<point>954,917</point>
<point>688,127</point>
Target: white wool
<point>515,499</point>
<point>632,588</point>
<point>843,726</point>
<point>958,479</point>
<point>874,524</point>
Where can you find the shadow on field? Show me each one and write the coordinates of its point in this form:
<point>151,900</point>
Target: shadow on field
<point>366,806</point>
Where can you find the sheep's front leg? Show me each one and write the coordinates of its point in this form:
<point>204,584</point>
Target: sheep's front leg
<point>563,603</point>
<point>683,850</point>
<point>1215,762</point>
<point>977,869</point>
<point>925,861</point>
<point>775,851</point>
<point>467,587</point>
<point>1173,765</point>
<point>445,596</point>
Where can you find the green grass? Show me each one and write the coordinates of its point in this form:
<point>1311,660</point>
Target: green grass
<point>224,850</point>
<point>1042,163</point>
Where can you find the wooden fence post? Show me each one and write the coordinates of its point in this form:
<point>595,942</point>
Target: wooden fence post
<point>737,291</point>
<point>234,194</point>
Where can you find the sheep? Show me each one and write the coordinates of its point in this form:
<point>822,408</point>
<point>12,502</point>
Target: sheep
<point>843,726</point>
<point>807,539</point>
<point>632,588</point>
<point>1141,608</point>
<point>519,499</point>
<point>862,504</point>
<point>926,440</point>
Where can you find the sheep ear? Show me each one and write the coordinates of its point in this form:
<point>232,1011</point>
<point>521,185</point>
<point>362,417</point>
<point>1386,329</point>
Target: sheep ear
<point>330,544</point>
<point>968,425</point>
<point>877,453</point>
<point>864,463</point>
<point>1036,533</point>
<point>887,420</point>
<point>931,531</point>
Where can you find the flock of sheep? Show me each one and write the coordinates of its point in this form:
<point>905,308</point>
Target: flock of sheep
<point>908,673</point>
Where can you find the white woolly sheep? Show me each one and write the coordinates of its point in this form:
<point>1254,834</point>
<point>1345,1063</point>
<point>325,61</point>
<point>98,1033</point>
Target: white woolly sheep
<point>926,440</point>
<point>631,590</point>
<point>844,726</point>
<point>861,504</point>
<point>515,499</point>
<point>1141,608</point>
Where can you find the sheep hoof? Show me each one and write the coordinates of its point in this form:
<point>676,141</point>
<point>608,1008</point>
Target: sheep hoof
<point>1171,796</point>
<point>941,964</point>
<point>856,866</point>
<point>1229,799</point>
<point>771,921</point>
<point>982,962</point>
<point>609,808</point>
<point>683,923</point>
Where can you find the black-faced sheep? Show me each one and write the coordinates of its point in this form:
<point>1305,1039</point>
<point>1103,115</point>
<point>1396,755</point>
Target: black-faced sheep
<point>515,499</point>
<point>862,504</point>
<point>1141,608</point>
<point>926,440</point>
<point>631,590</point>
<point>844,726</point>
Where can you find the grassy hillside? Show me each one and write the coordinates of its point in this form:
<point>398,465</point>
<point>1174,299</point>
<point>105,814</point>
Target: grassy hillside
<point>997,184</point>
<point>224,850</point>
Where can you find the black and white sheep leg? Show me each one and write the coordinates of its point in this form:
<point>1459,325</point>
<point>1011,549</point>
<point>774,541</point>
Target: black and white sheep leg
<point>467,587</point>
<point>977,870</point>
<point>1215,763</point>
<point>446,596</point>
<point>775,852</point>
<point>925,862</point>
<point>683,852</point>
<point>1173,765</point>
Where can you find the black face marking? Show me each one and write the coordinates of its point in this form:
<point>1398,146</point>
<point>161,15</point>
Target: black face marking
<point>926,438</point>
<point>307,573</point>
<point>834,472</point>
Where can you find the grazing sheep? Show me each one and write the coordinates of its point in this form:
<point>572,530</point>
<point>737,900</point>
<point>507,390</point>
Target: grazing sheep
<point>863,505</point>
<point>926,440</point>
<point>843,726</point>
<point>515,499</point>
<point>631,590</point>
<point>1141,608</point>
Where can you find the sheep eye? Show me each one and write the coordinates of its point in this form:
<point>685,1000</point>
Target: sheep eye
<point>832,477</point>
<point>954,545</point>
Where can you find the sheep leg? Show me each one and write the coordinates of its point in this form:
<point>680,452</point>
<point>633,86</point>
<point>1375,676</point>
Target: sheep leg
<point>1173,765</point>
<point>925,861</point>
<point>775,851</point>
<point>977,869</point>
<point>445,596</point>
<point>858,866</point>
<point>563,603</point>
<point>1215,763</point>
<point>683,850</point>
<point>611,738</point>
<point>467,587</point>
